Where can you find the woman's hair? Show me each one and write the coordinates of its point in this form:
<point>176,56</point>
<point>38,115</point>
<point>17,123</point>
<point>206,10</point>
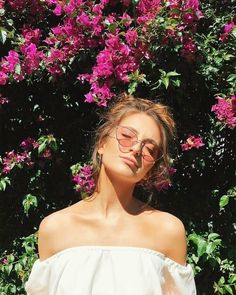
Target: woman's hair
<point>124,106</point>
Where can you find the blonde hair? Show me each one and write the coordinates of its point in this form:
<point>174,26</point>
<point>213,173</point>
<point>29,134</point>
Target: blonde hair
<point>126,105</point>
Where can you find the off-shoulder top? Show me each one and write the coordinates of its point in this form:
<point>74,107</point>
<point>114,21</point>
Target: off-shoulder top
<point>110,270</point>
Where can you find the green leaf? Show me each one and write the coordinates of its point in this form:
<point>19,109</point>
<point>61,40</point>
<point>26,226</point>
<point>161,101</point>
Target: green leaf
<point>42,147</point>
<point>211,247</point>
<point>232,279</point>
<point>10,258</point>
<point>229,289</point>
<point>227,56</point>
<point>234,32</point>
<point>2,11</point>
<point>18,267</point>
<point>173,74</point>
<point>112,27</point>
<point>8,268</point>
<point>3,35</point>
<point>213,236</point>
<point>2,185</point>
<point>18,69</point>
<point>224,200</point>
<point>202,246</point>
<point>28,202</point>
<point>166,81</point>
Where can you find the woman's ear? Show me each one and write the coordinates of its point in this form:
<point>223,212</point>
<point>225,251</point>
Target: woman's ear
<point>100,150</point>
<point>101,147</point>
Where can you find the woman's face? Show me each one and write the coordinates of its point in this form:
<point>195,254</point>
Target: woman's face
<point>130,158</point>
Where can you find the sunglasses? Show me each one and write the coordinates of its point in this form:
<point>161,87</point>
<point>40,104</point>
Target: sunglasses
<point>127,138</point>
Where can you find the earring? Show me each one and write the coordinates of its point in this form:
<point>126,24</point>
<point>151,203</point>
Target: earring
<point>99,160</point>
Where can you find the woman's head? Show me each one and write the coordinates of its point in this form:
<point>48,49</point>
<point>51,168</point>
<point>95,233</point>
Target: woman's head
<point>136,130</point>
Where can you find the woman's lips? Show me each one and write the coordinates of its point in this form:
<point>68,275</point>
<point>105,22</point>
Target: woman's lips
<point>129,161</point>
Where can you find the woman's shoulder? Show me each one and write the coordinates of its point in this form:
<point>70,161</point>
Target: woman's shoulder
<point>52,231</point>
<point>170,230</point>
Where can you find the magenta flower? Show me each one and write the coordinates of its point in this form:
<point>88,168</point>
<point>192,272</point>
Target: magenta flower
<point>58,10</point>
<point>126,19</point>
<point>3,100</point>
<point>3,78</point>
<point>13,159</point>
<point>131,36</point>
<point>162,185</point>
<point>2,3</point>
<point>47,154</point>
<point>189,48</point>
<point>29,144</point>
<point>84,180</point>
<point>31,36</point>
<point>104,67</point>
<point>10,61</point>
<point>228,28</point>
<point>32,58</point>
<point>83,19</point>
<point>225,111</point>
<point>192,142</point>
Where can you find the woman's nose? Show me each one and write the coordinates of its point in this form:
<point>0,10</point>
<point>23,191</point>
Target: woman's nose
<point>136,148</point>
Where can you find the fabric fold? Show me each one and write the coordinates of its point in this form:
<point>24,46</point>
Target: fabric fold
<point>109,270</point>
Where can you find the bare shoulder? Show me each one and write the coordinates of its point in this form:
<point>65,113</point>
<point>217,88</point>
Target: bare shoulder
<point>172,232</point>
<point>50,231</point>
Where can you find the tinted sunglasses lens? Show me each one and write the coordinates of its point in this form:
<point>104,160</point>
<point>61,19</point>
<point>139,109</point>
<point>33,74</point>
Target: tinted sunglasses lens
<point>125,136</point>
<point>150,152</point>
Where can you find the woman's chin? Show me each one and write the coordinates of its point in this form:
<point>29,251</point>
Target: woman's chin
<point>124,172</point>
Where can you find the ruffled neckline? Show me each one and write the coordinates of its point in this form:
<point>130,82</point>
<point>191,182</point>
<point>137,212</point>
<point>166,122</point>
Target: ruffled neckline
<point>148,251</point>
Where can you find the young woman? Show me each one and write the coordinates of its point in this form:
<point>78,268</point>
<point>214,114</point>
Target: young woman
<point>111,243</point>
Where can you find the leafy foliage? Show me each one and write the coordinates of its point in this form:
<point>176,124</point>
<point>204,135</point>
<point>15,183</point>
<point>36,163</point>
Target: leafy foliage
<point>62,63</point>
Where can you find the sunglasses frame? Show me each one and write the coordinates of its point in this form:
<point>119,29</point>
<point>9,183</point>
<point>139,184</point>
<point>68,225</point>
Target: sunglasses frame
<point>135,142</point>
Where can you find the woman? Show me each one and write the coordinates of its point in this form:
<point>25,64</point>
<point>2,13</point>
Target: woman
<point>112,243</point>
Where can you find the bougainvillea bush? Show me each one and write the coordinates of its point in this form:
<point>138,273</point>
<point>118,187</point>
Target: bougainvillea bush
<point>63,63</point>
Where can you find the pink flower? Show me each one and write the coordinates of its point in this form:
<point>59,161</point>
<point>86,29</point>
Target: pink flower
<point>31,36</point>
<point>192,142</point>
<point>126,3</point>
<point>10,61</point>
<point>225,111</point>
<point>2,3</point>
<point>189,48</point>
<point>162,185</point>
<point>3,78</point>
<point>147,10</point>
<point>32,58</point>
<point>89,97</point>
<point>147,6</point>
<point>58,10</point>
<point>126,19</point>
<point>228,28</point>
<point>3,100</point>
<point>55,70</point>
<point>29,144</point>
<point>19,4</point>
<point>104,67</point>
<point>131,37</point>
<point>194,6</point>
<point>13,159</point>
<point>83,19</point>
<point>84,180</point>
<point>70,7</point>
<point>5,261</point>
<point>47,154</point>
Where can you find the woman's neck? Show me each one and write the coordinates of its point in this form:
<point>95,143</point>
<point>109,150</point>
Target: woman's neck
<point>113,196</point>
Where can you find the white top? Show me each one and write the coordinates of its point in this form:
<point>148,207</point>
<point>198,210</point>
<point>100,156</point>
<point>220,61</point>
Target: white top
<point>110,270</point>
